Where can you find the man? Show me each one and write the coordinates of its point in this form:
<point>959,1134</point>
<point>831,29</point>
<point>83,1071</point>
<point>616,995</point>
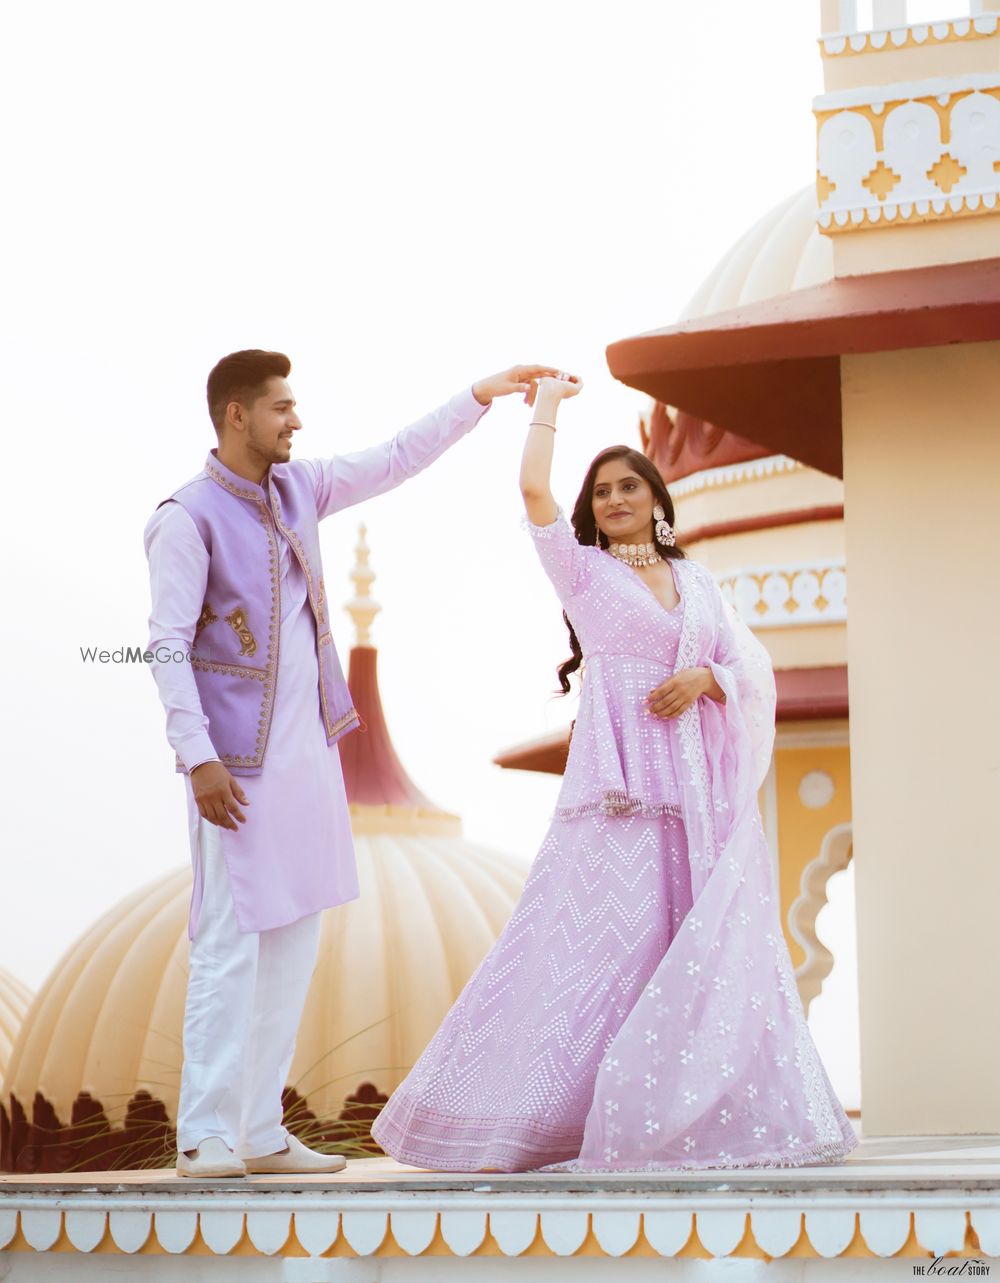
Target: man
<point>256,701</point>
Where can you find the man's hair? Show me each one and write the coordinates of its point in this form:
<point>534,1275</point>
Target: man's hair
<point>241,376</point>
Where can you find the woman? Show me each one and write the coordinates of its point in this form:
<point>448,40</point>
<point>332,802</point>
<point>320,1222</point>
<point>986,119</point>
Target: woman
<point>639,1010</point>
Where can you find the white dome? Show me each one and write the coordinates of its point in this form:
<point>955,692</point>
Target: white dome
<point>15,998</point>
<point>109,1019</point>
<point>783,251</point>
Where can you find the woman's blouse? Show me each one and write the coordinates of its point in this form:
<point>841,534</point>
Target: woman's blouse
<point>620,759</point>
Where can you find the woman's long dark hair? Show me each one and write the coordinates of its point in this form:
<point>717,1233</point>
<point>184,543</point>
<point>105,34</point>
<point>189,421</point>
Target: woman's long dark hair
<point>585,527</point>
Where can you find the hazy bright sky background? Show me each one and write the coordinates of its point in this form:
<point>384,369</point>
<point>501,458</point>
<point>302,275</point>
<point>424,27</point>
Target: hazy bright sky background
<point>404,198</point>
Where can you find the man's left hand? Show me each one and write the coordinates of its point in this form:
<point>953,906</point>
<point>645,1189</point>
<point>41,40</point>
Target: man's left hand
<point>519,378</point>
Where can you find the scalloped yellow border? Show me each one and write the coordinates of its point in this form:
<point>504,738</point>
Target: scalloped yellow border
<point>980,27</point>
<point>590,1245</point>
<point>930,215</point>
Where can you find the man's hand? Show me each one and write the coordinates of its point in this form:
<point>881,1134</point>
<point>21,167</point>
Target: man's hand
<point>217,795</point>
<point>680,691</point>
<point>519,378</point>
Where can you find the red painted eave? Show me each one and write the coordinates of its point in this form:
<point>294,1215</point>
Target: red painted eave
<point>770,371</point>
<point>812,694</point>
<point>547,755</point>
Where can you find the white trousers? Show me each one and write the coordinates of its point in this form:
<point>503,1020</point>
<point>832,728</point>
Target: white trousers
<point>245,995</point>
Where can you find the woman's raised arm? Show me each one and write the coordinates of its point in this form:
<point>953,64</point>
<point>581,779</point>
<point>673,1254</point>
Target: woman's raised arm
<point>536,461</point>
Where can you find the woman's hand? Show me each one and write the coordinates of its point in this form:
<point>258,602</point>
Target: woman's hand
<point>519,378</point>
<point>561,386</point>
<point>679,692</point>
<point>536,461</point>
<point>551,390</point>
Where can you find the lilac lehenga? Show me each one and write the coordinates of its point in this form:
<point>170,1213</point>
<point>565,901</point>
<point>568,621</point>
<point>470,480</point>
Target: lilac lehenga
<point>639,1011</point>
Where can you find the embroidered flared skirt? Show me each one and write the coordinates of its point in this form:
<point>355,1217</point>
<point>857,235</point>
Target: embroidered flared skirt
<point>509,1078</point>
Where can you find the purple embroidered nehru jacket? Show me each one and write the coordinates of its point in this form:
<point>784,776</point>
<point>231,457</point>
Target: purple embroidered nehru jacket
<point>235,651</point>
<point>254,698</point>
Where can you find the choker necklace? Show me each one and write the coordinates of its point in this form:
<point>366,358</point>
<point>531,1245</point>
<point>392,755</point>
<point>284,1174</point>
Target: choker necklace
<point>635,554</point>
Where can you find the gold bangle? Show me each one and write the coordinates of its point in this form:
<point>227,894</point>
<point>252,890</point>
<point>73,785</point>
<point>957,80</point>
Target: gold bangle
<point>537,423</point>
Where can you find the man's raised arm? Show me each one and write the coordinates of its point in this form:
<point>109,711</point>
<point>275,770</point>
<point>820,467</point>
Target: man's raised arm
<point>347,479</point>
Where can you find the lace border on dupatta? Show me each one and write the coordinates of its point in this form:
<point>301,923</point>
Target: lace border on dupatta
<point>689,722</point>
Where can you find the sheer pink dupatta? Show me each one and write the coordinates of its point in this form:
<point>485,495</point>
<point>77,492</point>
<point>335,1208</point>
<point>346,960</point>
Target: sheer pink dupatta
<point>715,1065</point>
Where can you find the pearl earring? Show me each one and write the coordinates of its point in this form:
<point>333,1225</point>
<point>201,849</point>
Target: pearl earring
<point>664,531</point>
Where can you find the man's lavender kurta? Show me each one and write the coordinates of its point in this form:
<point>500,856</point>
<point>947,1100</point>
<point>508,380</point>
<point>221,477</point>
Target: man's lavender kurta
<point>294,855</point>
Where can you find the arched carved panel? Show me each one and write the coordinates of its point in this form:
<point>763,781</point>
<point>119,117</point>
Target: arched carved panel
<point>834,854</point>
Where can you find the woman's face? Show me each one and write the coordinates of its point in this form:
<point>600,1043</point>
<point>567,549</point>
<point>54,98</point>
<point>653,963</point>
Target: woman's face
<point>623,503</point>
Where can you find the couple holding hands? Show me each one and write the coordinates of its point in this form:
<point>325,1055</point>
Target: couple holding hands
<point>639,1010</point>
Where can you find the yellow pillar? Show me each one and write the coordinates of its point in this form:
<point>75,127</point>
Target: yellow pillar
<point>922,509</point>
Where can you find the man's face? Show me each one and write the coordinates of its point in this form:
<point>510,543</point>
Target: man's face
<point>270,422</point>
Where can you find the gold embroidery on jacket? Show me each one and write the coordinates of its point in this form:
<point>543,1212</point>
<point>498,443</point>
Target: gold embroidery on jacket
<point>234,670</point>
<point>316,602</point>
<point>238,622</point>
<point>216,475</point>
<point>266,676</point>
<point>207,616</point>
<point>316,599</point>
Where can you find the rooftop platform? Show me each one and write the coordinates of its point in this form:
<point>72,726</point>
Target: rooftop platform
<point>912,1197</point>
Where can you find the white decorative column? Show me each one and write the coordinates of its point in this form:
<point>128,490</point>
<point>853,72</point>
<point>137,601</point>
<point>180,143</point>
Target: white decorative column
<point>908,176</point>
<point>921,469</point>
<point>838,15</point>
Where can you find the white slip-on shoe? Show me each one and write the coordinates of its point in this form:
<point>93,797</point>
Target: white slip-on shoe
<point>212,1158</point>
<point>296,1158</point>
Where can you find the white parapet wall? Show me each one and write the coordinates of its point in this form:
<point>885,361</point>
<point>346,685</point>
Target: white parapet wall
<point>908,130</point>
<point>847,17</point>
<point>781,596</point>
<point>895,1204</point>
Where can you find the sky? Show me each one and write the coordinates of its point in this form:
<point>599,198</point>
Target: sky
<point>404,199</point>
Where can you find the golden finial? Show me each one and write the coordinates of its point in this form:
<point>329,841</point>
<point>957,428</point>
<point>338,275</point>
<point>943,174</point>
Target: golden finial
<point>362,607</point>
